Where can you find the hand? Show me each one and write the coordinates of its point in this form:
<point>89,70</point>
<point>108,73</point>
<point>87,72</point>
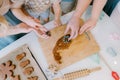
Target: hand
<point>40,33</point>
<point>57,22</point>
<point>74,26</point>
<point>23,28</point>
<point>33,22</point>
<point>89,24</point>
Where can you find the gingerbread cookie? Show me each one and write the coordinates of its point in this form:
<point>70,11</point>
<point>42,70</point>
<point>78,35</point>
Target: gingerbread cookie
<point>24,63</point>
<point>17,77</point>
<point>20,56</point>
<point>28,70</point>
<point>33,78</point>
<point>6,70</point>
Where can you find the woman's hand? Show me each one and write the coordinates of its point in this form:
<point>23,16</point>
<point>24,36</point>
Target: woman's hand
<point>73,26</point>
<point>89,24</point>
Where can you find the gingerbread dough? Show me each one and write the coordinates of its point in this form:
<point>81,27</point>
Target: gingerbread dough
<point>24,63</point>
<point>61,44</point>
<point>17,77</point>
<point>33,78</point>
<point>6,70</point>
<point>20,56</point>
<point>28,70</point>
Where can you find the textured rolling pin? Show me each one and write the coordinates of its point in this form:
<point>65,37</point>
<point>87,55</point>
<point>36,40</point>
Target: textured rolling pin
<point>77,74</point>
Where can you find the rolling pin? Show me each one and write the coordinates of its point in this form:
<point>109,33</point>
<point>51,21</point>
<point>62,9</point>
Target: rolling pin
<point>77,74</point>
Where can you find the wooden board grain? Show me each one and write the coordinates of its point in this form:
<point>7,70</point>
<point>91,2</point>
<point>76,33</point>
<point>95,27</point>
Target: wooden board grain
<point>80,48</point>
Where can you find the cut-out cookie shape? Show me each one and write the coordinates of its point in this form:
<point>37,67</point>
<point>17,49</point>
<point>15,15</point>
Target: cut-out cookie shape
<point>28,70</point>
<point>20,56</point>
<point>33,78</point>
<point>17,77</point>
<point>6,70</point>
<point>24,63</point>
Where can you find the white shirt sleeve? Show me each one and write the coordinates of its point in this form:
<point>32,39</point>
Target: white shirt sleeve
<point>53,1</point>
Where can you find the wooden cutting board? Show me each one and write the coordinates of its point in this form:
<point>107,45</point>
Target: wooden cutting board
<point>80,48</point>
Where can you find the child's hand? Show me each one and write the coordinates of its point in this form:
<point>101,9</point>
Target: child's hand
<point>24,28</point>
<point>40,33</point>
<point>57,23</point>
<point>32,22</point>
<point>35,23</point>
<point>89,24</point>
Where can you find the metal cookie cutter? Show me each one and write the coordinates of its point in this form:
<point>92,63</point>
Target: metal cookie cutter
<point>48,33</point>
<point>65,38</point>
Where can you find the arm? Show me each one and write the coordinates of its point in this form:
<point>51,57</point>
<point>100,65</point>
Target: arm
<point>12,30</point>
<point>57,11</point>
<point>74,23</point>
<point>17,11</point>
<point>82,5</point>
<point>24,18</point>
<point>97,8</point>
<point>21,28</point>
<point>91,23</point>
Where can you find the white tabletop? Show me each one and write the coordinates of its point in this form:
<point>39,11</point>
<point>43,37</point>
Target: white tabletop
<point>102,32</point>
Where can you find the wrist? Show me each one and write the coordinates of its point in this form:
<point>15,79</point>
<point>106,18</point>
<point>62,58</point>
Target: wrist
<point>57,18</point>
<point>95,17</point>
<point>75,17</point>
<point>27,19</point>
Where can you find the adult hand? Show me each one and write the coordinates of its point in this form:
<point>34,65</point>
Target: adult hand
<point>73,26</point>
<point>89,24</point>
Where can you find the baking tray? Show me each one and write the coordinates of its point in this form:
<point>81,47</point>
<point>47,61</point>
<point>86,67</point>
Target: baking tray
<point>20,70</point>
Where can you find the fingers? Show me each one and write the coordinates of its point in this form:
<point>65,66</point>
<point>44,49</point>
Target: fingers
<point>57,23</point>
<point>71,35</point>
<point>37,20</point>
<point>82,29</point>
<point>88,29</point>
<point>85,28</point>
<point>76,34</point>
<point>42,28</point>
<point>67,29</point>
<point>40,33</point>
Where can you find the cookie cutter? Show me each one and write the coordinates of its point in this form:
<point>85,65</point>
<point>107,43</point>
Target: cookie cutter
<point>48,33</point>
<point>65,38</point>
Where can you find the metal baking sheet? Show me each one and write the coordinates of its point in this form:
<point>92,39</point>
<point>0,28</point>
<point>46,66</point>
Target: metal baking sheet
<point>19,70</point>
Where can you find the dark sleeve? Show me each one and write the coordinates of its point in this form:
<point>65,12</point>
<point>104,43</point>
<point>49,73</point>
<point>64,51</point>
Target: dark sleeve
<point>110,5</point>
